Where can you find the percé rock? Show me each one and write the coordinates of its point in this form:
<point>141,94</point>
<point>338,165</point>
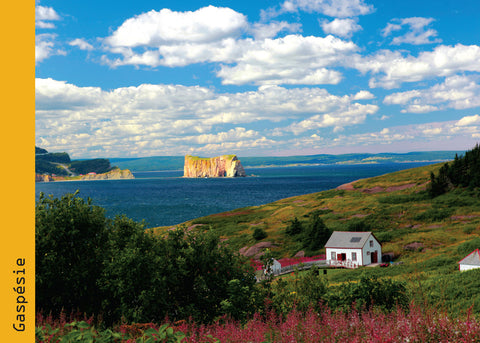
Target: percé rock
<point>221,166</point>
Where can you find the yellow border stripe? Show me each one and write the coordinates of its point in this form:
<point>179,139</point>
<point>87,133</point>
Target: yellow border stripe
<point>17,61</point>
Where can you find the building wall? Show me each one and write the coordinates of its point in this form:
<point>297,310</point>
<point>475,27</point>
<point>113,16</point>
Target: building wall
<point>275,268</point>
<point>347,252</point>
<point>368,250</point>
<point>467,267</point>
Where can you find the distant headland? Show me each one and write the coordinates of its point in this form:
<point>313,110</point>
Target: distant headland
<point>221,166</point>
<point>59,167</point>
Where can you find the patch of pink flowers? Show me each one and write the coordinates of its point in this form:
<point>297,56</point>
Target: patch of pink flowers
<point>373,326</point>
<point>417,325</point>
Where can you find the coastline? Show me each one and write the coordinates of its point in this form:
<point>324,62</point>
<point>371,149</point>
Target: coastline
<point>115,174</point>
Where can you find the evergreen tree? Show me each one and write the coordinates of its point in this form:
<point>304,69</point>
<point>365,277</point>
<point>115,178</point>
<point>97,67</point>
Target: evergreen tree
<point>316,233</point>
<point>294,228</point>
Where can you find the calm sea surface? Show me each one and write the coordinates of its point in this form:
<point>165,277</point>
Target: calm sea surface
<point>165,198</point>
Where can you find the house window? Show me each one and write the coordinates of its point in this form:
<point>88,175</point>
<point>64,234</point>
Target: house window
<point>354,256</point>
<point>371,244</point>
<point>334,255</point>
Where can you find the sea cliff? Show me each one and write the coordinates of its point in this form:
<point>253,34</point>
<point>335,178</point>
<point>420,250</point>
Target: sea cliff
<point>221,166</point>
<point>114,174</point>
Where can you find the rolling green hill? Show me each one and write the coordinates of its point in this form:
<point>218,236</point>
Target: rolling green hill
<point>396,207</point>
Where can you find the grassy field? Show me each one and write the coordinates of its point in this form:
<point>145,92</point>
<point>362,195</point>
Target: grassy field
<point>398,210</point>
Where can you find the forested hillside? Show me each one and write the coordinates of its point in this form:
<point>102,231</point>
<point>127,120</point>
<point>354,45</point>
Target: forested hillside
<point>61,164</point>
<point>464,171</point>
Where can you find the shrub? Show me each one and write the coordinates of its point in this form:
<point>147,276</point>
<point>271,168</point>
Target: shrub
<point>115,269</point>
<point>70,242</point>
<point>259,233</point>
<point>294,228</point>
<point>384,294</point>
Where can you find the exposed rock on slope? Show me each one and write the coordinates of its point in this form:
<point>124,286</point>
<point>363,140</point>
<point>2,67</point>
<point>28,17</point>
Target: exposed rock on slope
<point>221,166</point>
<point>114,174</point>
<point>111,175</point>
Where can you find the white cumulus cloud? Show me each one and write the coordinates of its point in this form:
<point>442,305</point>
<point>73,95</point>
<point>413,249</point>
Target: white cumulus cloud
<point>340,27</point>
<point>457,92</point>
<point>416,34</point>
<point>45,46</point>
<point>170,27</point>
<point>332,8</point>
<point>469,120</point>
<point>292,59</point>
<point>43,17</point>
<point>82,44</point>
<point>261,30</point>
<point>395,69</point>
<point>171,119</point>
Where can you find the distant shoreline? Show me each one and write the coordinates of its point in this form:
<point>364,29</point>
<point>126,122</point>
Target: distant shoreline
<point>305,165</point>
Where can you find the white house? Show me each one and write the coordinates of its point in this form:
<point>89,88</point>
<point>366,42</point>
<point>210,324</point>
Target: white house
<point>353,249</point>
<point>471,261</point>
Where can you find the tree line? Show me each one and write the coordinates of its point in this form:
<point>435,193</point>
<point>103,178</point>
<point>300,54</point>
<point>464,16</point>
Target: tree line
<point>463,171</point>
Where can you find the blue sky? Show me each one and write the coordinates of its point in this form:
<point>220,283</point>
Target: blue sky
<point>256,78</point>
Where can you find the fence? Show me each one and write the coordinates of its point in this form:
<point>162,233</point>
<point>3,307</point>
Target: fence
<point>345,264</point>
<point>298,266</point>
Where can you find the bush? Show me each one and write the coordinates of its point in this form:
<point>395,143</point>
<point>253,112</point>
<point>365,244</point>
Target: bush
<point>259,233</point>
<point>384,294</point>
<point>70,243</point>
<point>115,269</point>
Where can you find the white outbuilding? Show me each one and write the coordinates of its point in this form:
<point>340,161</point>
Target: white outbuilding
<point>275,268</point>
<point>353,249</point>
<point>471,261</point>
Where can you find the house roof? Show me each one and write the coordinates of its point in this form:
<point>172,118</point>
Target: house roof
<point>346,239</point>
<point>472,259</point>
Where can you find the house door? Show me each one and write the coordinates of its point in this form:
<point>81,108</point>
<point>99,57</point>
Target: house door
<point>341,257</point>
<point>374,256</point>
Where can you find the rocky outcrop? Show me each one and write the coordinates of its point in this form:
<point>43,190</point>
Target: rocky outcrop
<point>221,166</point>
<point>114,174</point>
<point>43,178</point>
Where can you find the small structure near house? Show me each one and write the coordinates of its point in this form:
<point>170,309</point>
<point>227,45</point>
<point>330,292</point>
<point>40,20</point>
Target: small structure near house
<point>353,249</point>
<point>471,261</point>
<point>275,268</point>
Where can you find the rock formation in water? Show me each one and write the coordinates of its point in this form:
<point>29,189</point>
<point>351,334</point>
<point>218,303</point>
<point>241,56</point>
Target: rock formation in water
<point>221,166</point>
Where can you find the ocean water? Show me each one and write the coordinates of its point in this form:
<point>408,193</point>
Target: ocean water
<point>166,198</point>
